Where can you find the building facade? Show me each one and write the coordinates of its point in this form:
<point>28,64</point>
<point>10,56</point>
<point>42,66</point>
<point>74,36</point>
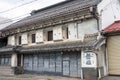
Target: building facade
<point>54,40</point>
<point>109,11</point>
<point>112,46</point>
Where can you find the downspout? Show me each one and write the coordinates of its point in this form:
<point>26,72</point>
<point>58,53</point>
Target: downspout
<point>82,78</point>
<point>106,52</point>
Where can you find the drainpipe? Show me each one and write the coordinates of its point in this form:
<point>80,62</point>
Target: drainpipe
<point>82,78</point>
<point>99,71</point>
<point>106,52</point>
<point>82,75</point>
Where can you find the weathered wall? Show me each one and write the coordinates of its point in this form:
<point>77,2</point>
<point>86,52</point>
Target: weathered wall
<point>87,27</point>
<point>57,63</point>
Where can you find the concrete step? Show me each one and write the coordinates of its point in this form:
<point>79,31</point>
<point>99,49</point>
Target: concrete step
<point>6,70</point>
<point>111,78</point>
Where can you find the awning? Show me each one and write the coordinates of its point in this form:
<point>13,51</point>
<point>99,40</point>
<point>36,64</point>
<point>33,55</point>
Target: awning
<point>113,28</point>
<point>7,49</point>
<point>59,46</point>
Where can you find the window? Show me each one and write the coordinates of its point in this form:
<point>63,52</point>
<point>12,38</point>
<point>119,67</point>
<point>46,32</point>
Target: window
<point>33,38</point>
<point>50,35</point>
<point>67,32</point>
<point>5,60</point>
<point>19,40</point>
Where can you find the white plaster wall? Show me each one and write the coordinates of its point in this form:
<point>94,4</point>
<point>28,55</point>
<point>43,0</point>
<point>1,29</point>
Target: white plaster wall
<point>87,27</point>
<point>109,11</point>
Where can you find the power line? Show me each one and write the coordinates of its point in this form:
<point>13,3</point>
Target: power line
<point>14,19</point>
<point>18,6</point>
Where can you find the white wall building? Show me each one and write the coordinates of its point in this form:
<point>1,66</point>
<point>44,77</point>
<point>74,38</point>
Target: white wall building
<point>109,11</point>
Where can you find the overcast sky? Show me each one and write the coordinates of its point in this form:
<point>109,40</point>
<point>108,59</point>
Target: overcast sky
<point>8,4</point>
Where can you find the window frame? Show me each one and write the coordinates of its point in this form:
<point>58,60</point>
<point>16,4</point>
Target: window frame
<point>50,35</point>
<point>33,38</point>
<point>20,40</point>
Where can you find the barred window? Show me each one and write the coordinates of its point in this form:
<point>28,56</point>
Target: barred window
<point>50,35</point>
<point>19,40</point>
<point>33,38</point>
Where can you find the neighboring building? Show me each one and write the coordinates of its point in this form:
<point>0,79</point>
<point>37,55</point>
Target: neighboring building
<point>109,11</point>
<point>112,34</point>
<point>54,39</point>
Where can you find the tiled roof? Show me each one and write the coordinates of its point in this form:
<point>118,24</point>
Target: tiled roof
<point>54,10</point>
<point>7,49</point>
<point>114,27</point>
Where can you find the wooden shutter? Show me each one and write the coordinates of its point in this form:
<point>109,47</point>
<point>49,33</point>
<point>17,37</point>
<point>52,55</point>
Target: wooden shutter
<point>24,38</point>
<point>11,40</point>
<point>57,33</point>
<point>72,31</point>
<point>60,36</point>
<point>39,36</point>
<point>113,46</point>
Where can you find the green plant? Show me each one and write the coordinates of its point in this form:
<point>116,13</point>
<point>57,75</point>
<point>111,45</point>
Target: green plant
<point>49,79</point>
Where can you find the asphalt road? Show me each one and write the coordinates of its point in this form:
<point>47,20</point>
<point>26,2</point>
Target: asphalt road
<point>36,77</point>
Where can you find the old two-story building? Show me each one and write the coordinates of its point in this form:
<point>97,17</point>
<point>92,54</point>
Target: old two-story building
<point>61,39</point>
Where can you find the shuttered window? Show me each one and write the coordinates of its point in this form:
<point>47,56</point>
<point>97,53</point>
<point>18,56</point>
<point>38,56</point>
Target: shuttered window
<point>19,40</point>
<point>50,35</point>
<point>39,36</point>
<point>24,38</point>
<point>57,33</point>
<point>72,31</point>
<point>33,38</point>
<point>11,40</point>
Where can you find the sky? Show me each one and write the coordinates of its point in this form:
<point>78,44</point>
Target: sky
<point>22,11</point>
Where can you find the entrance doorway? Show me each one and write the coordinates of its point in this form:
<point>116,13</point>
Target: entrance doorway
<point>19,60</point>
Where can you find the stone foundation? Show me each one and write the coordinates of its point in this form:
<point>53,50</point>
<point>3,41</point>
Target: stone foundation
<point>90,74</point>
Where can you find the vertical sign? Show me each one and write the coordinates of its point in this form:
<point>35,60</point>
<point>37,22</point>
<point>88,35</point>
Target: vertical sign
<point>89,60</point>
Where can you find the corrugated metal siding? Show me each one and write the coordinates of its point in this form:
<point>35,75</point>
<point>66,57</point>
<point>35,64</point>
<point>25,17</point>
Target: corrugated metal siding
<point>114,55</point>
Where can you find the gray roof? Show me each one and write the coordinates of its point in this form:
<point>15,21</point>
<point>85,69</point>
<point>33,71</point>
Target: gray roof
<point>7,49</point>
<point>90,41</point>
<point>60,46</point>
<point>62,8</point>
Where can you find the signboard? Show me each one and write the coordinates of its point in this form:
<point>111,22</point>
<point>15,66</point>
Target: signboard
<point>89,60</point>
